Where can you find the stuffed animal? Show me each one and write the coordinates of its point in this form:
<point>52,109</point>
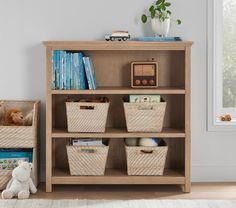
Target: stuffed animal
<point>13,117</point>
<point>2,113</point>
<point>21,184</point>
<point>148,142</point>
<point>131,141</point>
<point>28,119</point>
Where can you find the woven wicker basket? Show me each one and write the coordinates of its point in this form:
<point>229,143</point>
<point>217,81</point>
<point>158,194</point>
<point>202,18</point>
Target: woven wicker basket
<point>87,160</point>
<point>86,117</point>
<point>5,176</point>
<point>20,136</point>
<point>146,160</point>
<point>144,117</point>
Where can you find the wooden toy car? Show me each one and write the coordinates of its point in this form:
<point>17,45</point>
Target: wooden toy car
<point>226,117</point>
<point>118,35</point>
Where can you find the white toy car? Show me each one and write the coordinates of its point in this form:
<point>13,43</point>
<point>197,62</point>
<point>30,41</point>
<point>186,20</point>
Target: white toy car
<point>118,35</point>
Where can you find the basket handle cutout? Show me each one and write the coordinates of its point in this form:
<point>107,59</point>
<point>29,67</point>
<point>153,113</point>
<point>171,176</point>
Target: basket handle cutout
<point>88,150</point>
<point>146,151</point>
<point>145,108</point>
<point>90,107</point>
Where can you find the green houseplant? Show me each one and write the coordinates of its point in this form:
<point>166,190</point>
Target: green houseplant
<point>160,15</point>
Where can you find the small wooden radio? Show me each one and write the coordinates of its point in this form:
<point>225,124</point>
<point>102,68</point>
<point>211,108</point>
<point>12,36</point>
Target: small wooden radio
<point>144,74</point>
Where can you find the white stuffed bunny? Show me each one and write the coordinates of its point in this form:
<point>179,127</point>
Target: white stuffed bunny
<point>21,184</point>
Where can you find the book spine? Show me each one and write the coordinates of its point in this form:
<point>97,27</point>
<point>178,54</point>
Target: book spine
<point>61,70</point>
<point>57,77</point>
<point>67,72</point>
<point>82,72</point>
<point>85,60</point>
<point>72,72</point>
<point>64,70</point>
<point>70,69</point>
<point>92,75</point>
<point>53,71</point>
<point>77,71</point>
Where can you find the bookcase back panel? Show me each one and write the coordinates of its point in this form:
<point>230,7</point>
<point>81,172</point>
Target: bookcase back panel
<point>174,116</point>
<point>114,69</point>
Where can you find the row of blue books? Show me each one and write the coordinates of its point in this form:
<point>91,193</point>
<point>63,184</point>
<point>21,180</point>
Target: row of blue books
<point>72,71</point>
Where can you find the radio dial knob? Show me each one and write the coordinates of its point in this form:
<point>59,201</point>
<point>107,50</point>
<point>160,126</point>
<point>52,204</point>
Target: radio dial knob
<point>151,82</point>
<point>144,82</point>
<point>137,82</point>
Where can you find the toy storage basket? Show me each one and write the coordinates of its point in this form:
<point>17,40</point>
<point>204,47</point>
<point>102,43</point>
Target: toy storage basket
<point>20,136</point>
<point>146,160</point>
<point>5,176</point>
<point>144,117</point>
<point>87,160</point>
<point>86,116</point>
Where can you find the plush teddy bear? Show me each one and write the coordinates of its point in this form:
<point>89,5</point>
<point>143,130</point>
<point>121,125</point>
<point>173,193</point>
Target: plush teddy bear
<point>13,117</point>
<point>21,184</point>
<point>28,119</point>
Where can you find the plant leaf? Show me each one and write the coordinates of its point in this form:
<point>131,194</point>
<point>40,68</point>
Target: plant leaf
<point>169,12</point>
<point>144,18</point>
<point>151,8</point>
<point>179,21</point>
<point>159,2</point>
<point>153,13</point>
<point>167,4</point>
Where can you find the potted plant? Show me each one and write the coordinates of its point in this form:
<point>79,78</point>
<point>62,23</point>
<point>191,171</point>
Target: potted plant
<point>160,15</point>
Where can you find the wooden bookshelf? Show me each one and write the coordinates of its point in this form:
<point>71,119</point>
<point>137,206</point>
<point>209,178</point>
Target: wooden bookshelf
<point>112,70</point>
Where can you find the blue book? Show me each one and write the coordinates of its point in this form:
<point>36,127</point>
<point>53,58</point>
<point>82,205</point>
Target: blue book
<point>61,70</point>
<point>158,39</point>
<point>67,87</point>
<point>64,70</point>
<point>83,81</point>
<point>89,73</point>
<point>86,66</point>
<point>57,63</point>
<point>71,72</point>
<point>53,70</point>
<point>77,71</point>
<point>92,74</point>
<point>73,78</point>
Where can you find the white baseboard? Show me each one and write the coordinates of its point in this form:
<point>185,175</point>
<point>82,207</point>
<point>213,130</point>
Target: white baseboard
<point>213,173</point>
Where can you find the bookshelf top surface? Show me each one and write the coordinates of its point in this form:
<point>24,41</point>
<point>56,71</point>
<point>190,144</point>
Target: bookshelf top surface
<point>117,45</point>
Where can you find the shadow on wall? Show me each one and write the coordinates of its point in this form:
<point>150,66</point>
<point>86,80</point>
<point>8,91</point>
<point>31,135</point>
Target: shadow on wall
<point>36,90</point>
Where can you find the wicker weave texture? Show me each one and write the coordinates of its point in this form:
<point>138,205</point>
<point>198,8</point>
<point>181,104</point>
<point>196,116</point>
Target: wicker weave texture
<point>86,117</point>
<point>87,160</point>
<point>144,117</point>
<point>146,160</point>
<point>20,136</point>
<point>5,176</point>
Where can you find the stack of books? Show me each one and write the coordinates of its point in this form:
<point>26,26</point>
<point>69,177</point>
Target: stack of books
<point>87,142</point>
<point>72,71</point>
<point>9,157</point>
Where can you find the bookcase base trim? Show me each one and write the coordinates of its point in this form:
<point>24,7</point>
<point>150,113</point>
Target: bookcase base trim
<point>118,176</point>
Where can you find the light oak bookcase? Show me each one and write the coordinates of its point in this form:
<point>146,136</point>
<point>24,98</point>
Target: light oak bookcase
<point>112,71</point>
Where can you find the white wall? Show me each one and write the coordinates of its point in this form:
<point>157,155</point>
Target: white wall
<point>25,24</point>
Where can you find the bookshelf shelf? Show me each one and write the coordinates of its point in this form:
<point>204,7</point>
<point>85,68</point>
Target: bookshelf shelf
<point>119,133</point>
<point>111,62</point>
<point>118,176</point>
<point>122,91</point>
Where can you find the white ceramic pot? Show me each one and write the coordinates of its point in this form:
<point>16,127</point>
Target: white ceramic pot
<point>160,28</point>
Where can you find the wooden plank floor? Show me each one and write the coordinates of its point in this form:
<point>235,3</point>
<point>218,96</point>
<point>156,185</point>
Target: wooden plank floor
<point>199,191</point>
